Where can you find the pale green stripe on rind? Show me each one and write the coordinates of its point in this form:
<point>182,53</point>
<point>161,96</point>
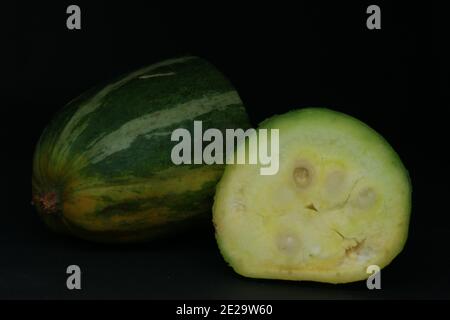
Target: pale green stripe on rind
<point>72,129</point>
<point>122,138</point>
<point>123,129</point>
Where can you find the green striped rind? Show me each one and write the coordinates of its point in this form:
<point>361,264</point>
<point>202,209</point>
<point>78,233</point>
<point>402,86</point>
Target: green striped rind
<point>107,153</point>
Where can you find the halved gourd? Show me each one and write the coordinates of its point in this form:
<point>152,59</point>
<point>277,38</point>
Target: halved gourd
<point>340,202</point>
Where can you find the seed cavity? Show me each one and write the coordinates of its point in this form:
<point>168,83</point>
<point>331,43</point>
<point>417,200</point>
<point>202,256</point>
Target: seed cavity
<point>302,175</point>
<point>366,198</point>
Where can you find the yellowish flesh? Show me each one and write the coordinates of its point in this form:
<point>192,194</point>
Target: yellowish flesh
<point>339,203</point>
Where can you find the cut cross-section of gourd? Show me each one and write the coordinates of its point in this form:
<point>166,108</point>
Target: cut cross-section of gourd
<point>339,202</point>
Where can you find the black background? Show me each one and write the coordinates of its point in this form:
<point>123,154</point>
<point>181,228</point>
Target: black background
<point>279,58</point>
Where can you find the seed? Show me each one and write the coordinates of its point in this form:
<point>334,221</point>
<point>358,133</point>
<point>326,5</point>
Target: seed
<point>302,177</point>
